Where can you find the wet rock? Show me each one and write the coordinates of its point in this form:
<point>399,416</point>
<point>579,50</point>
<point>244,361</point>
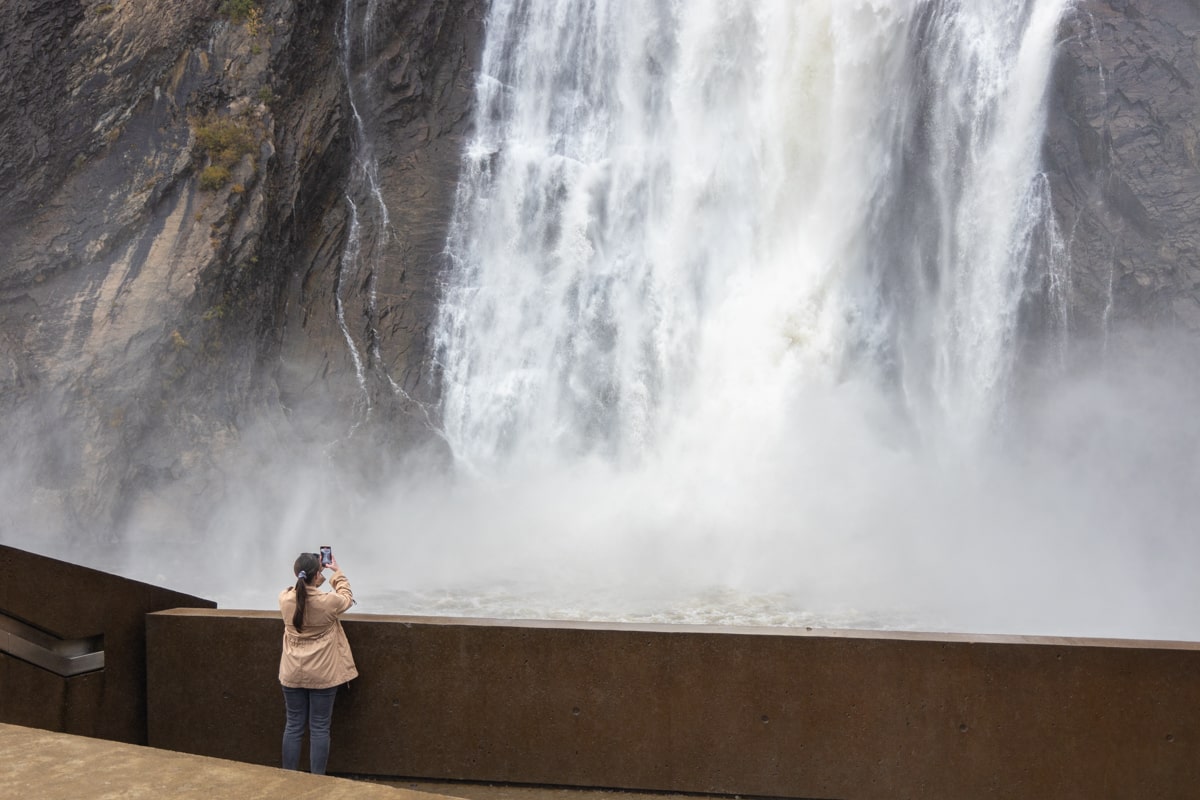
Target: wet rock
<point>1123,156</point>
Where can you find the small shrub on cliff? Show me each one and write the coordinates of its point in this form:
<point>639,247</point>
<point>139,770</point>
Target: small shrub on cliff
<point>213,177</point>
<point>225,141</point>
<point>239,10</point>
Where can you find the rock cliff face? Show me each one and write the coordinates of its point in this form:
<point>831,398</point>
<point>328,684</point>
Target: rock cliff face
<point>229,216</point>
<point>174,223</point>
<point>1123,155</point>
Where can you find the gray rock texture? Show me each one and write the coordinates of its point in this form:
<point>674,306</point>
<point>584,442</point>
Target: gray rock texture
<point>407,92</point>
<point>1123,156</point>
<point>146,321</point>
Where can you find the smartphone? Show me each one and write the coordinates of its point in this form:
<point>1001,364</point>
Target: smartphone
<point>326,555</point>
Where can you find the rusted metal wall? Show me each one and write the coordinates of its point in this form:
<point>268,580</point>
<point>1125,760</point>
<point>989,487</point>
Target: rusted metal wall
<point>72,602</point>
<point>792,713</point>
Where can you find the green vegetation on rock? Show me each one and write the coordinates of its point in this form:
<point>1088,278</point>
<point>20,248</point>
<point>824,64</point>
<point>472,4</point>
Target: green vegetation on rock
<point>213,177</point>
<point>239,10</point>
<point>225,141</point>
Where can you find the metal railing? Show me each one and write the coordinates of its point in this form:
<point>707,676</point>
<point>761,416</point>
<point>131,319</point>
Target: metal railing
<point>64,657</point>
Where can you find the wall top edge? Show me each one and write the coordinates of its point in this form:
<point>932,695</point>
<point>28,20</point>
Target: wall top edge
<point>639,627</point>
<point>29,560</point>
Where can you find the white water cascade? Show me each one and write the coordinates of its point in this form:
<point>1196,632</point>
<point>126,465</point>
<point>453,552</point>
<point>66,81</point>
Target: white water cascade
<point>735,296</point>
<point>676,218</point>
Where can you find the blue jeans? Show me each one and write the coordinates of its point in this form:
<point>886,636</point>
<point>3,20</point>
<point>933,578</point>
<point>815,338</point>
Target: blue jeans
<point>314,706</point>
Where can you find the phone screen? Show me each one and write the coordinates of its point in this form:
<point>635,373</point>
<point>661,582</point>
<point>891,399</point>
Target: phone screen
<point>326,555</point>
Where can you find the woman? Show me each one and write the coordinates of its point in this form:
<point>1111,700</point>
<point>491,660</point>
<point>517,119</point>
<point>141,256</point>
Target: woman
<point>316,657</point>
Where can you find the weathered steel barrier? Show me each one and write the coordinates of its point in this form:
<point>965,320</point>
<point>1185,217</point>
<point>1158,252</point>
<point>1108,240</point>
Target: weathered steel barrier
<point>73,646</point>
<point>768,712</point>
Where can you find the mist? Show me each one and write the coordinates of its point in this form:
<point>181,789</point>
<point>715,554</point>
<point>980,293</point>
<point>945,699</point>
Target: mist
<point>1075,519</point>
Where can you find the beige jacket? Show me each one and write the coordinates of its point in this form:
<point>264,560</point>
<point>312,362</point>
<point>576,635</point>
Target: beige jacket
<point>317,657</point>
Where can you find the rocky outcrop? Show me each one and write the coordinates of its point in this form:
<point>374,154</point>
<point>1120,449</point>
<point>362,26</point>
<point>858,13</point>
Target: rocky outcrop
<point>174,217</point>
<point>1123,155</point>
<point>409,77</point>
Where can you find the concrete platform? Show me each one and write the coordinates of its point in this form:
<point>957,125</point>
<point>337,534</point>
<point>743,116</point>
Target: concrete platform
<point>59,766</point>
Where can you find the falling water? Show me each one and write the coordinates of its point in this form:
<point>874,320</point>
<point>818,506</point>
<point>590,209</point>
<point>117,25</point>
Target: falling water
<point>735,292</point>
<point>675,217</point>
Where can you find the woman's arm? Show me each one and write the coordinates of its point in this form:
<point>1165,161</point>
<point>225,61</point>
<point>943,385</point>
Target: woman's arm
<point>341,587</point>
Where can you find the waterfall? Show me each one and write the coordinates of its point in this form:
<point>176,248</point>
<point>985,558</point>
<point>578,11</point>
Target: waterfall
<point>733,308</point>
<point>674,218</point>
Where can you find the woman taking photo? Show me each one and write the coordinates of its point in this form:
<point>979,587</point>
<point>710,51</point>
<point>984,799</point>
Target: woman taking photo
<point>316,657</point>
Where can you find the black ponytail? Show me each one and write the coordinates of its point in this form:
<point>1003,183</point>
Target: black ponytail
<point>310,565</point>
